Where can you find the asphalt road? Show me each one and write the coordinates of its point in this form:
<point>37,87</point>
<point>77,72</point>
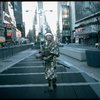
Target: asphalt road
<point>26,80</point>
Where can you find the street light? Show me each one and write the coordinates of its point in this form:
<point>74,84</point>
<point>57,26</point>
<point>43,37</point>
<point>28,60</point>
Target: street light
<point>43,11</point>
<point>28,10</point>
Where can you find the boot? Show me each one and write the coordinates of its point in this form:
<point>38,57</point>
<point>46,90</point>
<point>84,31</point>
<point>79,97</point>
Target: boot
<point>50,85</point>
<point>54,82</point>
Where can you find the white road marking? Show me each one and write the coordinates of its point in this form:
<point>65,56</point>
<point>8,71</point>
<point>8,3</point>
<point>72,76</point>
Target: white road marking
<point>26,67</point>
<point>43,85</point>
<point>35,73</point>
<point>30,67</point>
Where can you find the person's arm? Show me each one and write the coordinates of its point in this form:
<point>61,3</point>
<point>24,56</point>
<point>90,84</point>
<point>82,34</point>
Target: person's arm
<point>55,50</point>
<point>45,58</point>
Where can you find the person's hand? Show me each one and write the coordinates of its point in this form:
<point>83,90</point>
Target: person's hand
<point>40,51</point>
<point>44,58</point>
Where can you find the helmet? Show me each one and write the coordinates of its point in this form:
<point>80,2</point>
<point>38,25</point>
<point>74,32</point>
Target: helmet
<point>48,34</point>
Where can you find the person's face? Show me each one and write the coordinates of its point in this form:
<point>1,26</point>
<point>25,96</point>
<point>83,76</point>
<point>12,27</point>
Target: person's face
<point>49,37</point>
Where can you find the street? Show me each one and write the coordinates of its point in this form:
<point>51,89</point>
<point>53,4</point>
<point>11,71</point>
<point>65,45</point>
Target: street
<point>26,79</point>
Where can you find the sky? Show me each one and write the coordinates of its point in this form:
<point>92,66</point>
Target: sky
<point>50,16</point>
<point>27,16</point>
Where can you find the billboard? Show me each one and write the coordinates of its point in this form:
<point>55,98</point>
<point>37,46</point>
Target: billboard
<point>86,8</point>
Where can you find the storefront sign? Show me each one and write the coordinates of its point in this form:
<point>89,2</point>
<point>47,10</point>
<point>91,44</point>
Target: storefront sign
<point>87,29</point>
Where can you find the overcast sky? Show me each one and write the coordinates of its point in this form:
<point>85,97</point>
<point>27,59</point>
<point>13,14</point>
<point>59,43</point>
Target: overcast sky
<point>27,16</point>
<point>51,16</point>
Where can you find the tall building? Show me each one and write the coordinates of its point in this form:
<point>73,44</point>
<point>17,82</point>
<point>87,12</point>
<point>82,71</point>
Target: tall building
<point>2,37</point>
<point>9,21</point>
<point>40,5</point>
<point>40,15</point>
<point>35,27</point>
<point>87,22</point>
<point>64,21</point>
<point>17,6</point>
<point>72,20</point>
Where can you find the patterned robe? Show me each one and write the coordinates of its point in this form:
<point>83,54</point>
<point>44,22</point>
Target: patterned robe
<point>50,52</point>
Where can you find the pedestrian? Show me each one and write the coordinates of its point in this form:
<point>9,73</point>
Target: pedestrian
<point>40,52</point>
<point>67,40</point>
<point>50,52</point>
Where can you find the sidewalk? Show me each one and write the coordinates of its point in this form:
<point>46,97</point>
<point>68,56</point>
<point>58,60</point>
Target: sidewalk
<point>81,65</point>
<point>83,46</point>
<point>4,64</point>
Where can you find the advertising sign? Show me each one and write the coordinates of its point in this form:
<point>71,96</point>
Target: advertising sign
<point>9,32</point>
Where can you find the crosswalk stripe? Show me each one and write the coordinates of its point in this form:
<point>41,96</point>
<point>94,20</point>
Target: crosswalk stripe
<point>35,73</point>
<point>30,67</point>
<point>43,85</point>
<point>26,67</point>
